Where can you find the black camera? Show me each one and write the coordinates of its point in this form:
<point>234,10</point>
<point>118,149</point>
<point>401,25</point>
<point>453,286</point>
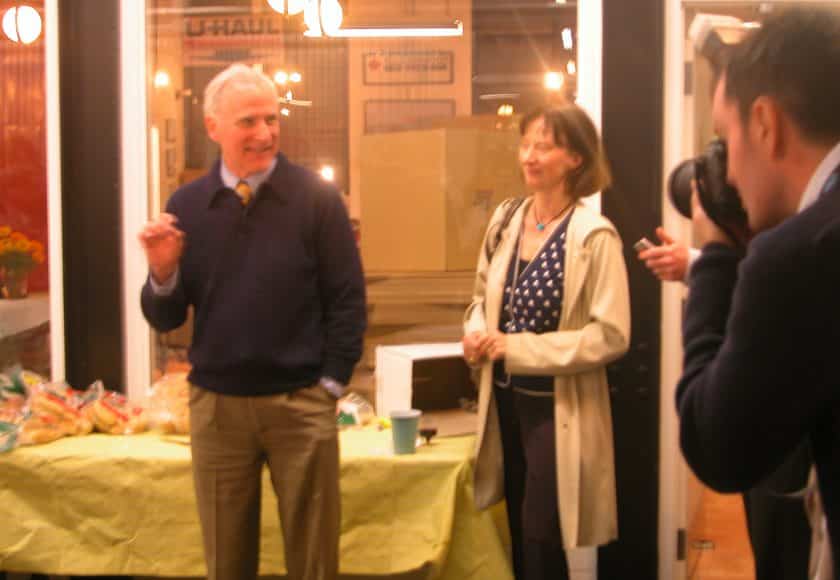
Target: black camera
<point>720,201</point>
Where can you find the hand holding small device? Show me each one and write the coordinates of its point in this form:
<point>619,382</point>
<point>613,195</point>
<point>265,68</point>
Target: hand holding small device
<point>668,261</point>
<point>643,244</point>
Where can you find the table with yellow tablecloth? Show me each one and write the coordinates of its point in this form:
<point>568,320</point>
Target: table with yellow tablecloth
<point>124,505</point>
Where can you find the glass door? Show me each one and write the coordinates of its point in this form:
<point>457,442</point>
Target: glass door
<point>372,97</point>
<point>31,329</point>
<point>396,76</point>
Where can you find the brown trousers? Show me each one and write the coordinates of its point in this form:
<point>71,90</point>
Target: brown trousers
<point>296,434</point>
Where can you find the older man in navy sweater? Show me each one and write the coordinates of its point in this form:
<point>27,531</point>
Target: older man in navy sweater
<point>762,340</point>
<point>264,252</point>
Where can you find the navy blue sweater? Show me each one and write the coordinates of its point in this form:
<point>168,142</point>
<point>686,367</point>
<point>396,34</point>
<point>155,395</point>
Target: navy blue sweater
<point>277,287</point>
<point>761,370</point>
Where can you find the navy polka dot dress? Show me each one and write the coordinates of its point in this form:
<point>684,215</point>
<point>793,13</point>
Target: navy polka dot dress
<point>533,303</point>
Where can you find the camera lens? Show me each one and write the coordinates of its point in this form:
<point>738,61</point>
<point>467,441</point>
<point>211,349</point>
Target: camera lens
<point>679,187</point>
<point>719,199</point>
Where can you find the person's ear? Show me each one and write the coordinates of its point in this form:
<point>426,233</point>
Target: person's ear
<point>766,125</point>
<point>212,126</point>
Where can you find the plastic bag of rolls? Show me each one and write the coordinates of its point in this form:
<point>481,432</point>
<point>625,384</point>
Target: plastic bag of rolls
<point>15,386</point>
<point>169,404</point>
<point>12,399</point>
<point>112,413</point>
<point>16,383</point>
<point>53,410</point>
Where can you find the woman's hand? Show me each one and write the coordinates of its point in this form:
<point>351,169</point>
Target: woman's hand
<point>475,346</point>
<point>496,345</point>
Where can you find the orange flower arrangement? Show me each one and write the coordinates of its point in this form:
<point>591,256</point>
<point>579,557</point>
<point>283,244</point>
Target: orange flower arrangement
<point>18,253</point>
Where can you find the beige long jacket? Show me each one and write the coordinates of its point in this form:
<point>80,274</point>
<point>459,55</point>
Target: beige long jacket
<point>594,329</point>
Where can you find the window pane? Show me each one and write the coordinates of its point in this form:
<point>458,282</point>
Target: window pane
<point>24,280</point>
<point>419,133</point>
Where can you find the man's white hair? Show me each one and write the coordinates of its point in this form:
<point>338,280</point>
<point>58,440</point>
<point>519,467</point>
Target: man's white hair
<point>237,76</point>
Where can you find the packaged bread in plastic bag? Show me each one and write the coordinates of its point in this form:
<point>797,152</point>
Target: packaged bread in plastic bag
<point>12,403</point>
<point>12,400</point>
<point>111,412</point>
<point>15,385</point>
<point>354,409</point>
<point>169,404</point>
<point>8,435</point>
<point>53,410</point>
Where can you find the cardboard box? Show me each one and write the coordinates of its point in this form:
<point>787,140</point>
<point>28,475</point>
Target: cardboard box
<point>426,196</point>
<point>431,377</point>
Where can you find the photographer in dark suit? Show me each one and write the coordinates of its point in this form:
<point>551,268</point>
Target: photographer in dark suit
<point>762,337</point>
<point>780,536</point>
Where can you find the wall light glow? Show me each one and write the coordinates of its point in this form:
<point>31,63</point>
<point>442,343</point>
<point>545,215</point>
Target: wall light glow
<point>162,79</point>
<point>328,173</point>
<point>553,81</point>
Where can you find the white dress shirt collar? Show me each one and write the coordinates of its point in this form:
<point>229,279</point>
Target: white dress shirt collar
<point>819,178</point>
<point>255,180</point>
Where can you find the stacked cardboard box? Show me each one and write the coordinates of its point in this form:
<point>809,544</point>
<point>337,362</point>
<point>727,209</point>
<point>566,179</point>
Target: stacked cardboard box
<point>427,196</point>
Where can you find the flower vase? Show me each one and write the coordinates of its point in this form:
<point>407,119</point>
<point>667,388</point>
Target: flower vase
<point>15,284</point>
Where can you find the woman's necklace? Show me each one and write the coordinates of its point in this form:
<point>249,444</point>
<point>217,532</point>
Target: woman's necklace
<point>541,224</point>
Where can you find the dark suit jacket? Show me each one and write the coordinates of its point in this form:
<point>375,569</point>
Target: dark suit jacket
<point>762,356</point>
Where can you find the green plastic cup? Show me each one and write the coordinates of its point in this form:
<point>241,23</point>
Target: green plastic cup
<point>404,430</point>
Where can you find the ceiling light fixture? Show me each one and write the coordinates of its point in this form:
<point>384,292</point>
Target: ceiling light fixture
<point>294,102</point>
<point>22,24</point>
<point>331,15</point>
<point>324,17</point>
<point>311,19</point>
<point>505,110</point>
<point>291,7</point>
<point>568,41</point>
<point>498,96</point>
<point>456,29</point>
<point>283,78</point>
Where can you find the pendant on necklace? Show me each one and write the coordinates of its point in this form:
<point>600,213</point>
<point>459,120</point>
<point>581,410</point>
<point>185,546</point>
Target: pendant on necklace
<point>540,226</point>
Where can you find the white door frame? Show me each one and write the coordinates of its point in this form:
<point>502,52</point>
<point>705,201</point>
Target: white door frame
<point>54,226</point>
<point>590,26</point>
<point>135,193</point>
<point>672,468</point>
<point>583,562</point>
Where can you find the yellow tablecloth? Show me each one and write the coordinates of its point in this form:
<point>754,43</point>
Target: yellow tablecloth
<point>124,505</point>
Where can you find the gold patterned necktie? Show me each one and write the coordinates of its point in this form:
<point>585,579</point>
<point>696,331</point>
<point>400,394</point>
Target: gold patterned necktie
<point>244,191</point>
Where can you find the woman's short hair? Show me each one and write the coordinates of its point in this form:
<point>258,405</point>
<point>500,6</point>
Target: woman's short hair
<point>572,128</point>
<point>236,76</point>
